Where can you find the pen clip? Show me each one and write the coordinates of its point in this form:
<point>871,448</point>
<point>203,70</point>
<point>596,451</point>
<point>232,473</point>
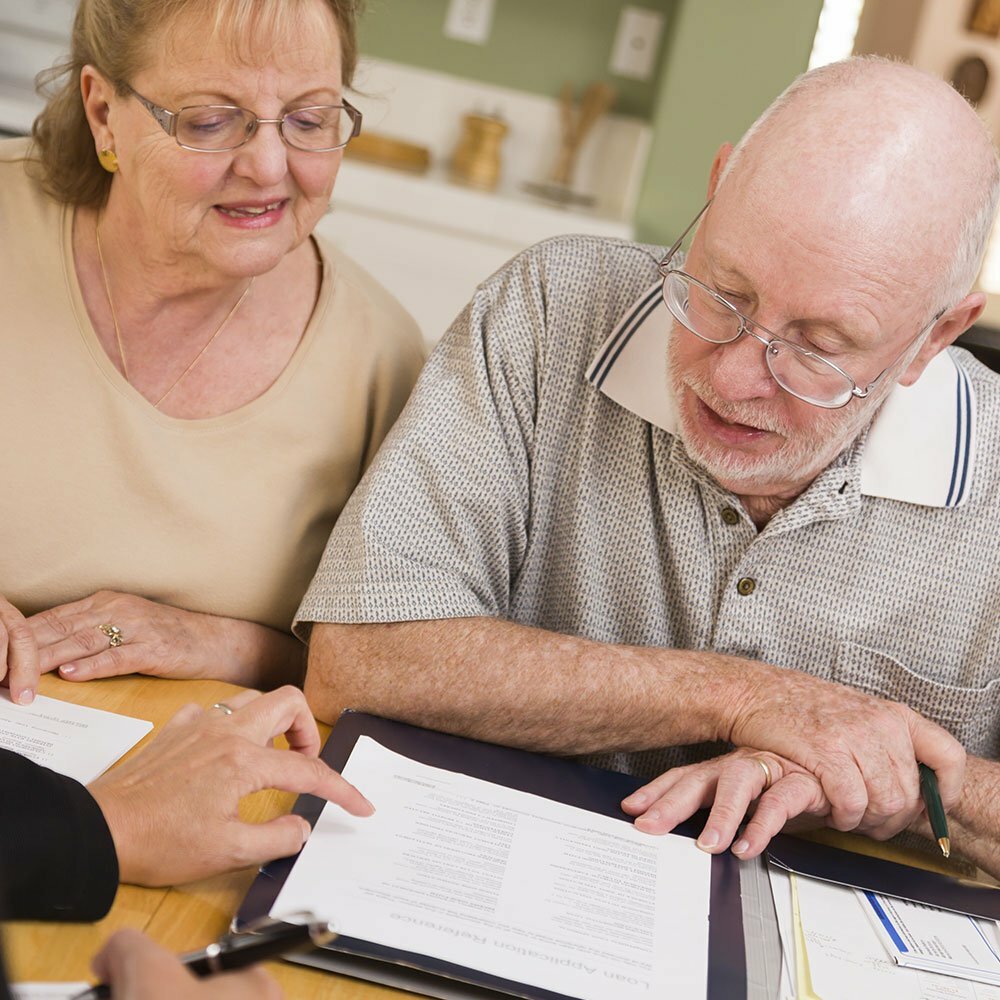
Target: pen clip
<point>320,932</point>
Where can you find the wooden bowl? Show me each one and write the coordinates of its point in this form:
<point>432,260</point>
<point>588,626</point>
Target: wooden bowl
<point>388,152</point>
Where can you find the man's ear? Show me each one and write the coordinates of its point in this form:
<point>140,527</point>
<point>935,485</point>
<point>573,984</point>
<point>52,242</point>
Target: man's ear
<point>950,326</point>
<point>718,165</point>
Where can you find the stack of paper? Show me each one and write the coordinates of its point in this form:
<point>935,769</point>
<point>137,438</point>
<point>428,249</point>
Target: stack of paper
<point>831,949</point>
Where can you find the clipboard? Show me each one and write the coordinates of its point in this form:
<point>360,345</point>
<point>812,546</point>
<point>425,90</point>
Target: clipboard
<point>555,778</point>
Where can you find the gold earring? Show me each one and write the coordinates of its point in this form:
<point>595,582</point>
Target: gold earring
<point>108,160</point>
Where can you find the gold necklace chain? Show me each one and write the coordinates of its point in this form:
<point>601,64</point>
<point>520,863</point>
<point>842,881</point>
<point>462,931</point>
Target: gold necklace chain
<point>118,334</point>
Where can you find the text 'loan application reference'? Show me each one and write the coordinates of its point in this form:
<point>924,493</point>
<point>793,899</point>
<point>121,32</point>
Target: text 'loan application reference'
<point>508,883</point>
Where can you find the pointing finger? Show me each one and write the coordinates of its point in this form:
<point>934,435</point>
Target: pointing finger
<point>290,771</point>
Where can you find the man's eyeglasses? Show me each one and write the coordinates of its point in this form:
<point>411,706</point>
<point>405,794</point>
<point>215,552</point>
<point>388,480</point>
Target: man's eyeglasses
<point>218,128</point>
<point>803,373</point>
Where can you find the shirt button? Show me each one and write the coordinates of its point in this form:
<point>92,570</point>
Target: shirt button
<point>746,586</point>
<point>730,516</point>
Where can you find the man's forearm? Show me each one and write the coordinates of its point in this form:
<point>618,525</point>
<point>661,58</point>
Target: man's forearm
<point>526,687</point>
<point>502,682</point>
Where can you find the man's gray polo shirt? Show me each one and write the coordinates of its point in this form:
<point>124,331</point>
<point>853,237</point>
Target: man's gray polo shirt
<point>513,486</point>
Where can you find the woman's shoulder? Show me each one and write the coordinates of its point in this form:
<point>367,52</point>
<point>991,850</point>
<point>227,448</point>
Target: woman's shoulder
<point>14,151</point>
<point>22,197</point>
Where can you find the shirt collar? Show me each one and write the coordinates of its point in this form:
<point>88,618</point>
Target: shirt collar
<point>920,448</point>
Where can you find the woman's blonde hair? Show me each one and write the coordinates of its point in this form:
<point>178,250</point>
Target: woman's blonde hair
<point>117,37</point>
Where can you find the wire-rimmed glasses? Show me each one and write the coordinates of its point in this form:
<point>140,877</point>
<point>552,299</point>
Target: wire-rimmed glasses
<point>709,316</point>
<point>218,128</point>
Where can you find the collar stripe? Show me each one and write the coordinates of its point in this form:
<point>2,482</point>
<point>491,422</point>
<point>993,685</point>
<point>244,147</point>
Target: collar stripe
<point>638,315</point>
<point>963,441</point>
<point>921,446</point>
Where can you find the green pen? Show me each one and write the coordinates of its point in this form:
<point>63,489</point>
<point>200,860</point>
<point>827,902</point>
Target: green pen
<point>935,811</point>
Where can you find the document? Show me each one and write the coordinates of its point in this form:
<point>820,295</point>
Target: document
<point>925,937</point>
<point>47,991</point>
<point>76,741</point>
<point>510,884</point>
<point>781,894</point>
<point>838,954</point>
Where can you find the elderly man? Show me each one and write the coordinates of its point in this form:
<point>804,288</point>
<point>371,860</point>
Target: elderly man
<point>640,501</point>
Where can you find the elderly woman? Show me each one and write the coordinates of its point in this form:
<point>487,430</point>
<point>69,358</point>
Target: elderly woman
<point>193,382</point>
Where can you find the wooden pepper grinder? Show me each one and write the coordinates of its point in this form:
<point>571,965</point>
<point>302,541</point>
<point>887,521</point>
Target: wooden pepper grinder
<point>476,160</point>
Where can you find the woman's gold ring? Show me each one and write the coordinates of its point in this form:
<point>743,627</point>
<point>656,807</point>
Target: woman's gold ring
<point>768,776</point>
<point>223,707</point>
<point>114,634</point>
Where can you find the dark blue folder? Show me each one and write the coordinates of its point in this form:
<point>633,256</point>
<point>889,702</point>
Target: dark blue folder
<point>889,878</point>
<point>554,778</point>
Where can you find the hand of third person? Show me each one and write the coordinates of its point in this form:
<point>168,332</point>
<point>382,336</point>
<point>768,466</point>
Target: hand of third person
<point>138,969</point>
<point>173,808</point>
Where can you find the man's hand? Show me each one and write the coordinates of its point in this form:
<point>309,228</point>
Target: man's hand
<point>19,667</point>
<point>730,784</point>
<point>138,969</point>
<point>863,750</point>
<point>173,808</point>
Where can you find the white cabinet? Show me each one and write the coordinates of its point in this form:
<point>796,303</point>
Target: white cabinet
<point>431,242</point>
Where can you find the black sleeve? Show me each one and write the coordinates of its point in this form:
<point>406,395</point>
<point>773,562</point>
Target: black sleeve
<point>57,857</point>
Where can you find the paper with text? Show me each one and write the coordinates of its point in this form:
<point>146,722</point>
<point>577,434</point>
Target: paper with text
<point>507,883</point>
<point>71,739</point>
<point>846,960</point>
<point>926,937</point>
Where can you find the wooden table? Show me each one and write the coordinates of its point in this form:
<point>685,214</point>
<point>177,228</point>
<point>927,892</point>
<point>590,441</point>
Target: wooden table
<point>188,917</point>
<point>181,918</point>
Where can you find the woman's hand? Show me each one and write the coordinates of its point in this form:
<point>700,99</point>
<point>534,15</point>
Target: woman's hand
<point>19,665</point>
<point>110,633</point>
<point>138,969</point>
<point>730,784</point>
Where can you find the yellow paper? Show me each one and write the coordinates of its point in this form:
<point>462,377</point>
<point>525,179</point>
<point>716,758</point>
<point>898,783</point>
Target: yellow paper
<point>803,981</point>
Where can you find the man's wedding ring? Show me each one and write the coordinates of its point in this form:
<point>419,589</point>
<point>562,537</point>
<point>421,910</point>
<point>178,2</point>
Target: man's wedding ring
<point>768,776</point>
<point>223,707</point>
<point>114,634</point>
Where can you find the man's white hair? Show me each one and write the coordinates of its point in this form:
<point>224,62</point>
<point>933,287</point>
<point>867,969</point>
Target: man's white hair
<point>975,224</point>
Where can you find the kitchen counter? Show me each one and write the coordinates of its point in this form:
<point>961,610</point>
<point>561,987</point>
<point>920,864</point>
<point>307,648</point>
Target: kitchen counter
<point>431,241</point>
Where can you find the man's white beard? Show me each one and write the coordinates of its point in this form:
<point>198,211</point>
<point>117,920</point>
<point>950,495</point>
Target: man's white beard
<point>797,461</point>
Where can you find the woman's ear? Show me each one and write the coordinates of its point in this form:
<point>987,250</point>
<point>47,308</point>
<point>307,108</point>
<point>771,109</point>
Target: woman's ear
<point>97,93</point>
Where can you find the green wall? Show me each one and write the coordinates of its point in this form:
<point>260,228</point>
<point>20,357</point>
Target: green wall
<point>535,45</point>
<point>721,63</point>
<point>726,61</point>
